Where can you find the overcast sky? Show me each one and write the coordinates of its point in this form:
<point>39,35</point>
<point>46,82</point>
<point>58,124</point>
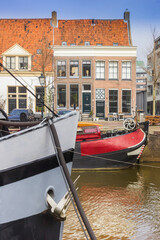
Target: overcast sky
<point>144,14</point>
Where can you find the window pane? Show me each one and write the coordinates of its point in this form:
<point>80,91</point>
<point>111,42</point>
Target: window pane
<point>74,68</point>
<point>126,101</point>
<point>61,95</point>
<point>100,70</point>
<point>86,68</point>
<point>126,70</point>
<point>74,96</point>
<point>39,95</point>
<point>113,101</point>
<point>23,62</point>
<point>61,69</point>
<point>10,62</point>
<point>22,103</point>
<point>22,90</point>
<point>113,70</point>
<point>11,89</point>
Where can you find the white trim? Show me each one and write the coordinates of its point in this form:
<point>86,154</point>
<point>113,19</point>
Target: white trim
<point>78,51</point>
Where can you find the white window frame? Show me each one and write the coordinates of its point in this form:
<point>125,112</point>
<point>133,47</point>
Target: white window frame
<point>100,70</point>
<point>126,70</point>
<point>113,65</point>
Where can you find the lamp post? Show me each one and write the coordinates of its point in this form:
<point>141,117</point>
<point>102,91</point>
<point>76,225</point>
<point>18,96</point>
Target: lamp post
<point>42,83</point>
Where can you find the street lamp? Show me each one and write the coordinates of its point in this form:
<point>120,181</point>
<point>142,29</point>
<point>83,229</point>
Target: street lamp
<point>42,83</point>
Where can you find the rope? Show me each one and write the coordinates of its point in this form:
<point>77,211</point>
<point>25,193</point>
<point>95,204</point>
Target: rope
<point>63,175</point>
<point>115,160</point>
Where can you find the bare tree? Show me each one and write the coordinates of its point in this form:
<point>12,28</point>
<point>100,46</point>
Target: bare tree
<point>43,61</point>
<point>2,103</point>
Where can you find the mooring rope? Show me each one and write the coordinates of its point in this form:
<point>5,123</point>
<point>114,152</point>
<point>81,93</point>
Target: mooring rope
<point>66,183</point>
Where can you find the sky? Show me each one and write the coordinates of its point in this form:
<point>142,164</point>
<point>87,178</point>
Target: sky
<point>144,15</point>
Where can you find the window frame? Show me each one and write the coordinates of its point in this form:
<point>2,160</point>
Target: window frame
<point>83,70</point>
<point>17,96</point>
<point>58,61</point>
<point>130,101</point>
<point>113,101</point>
<point>100,67</point>
<point>10,62</point>
<point>113,67</point>
<point>62,107</point>
<point>126,72</point>
<point>70,69</point>
<point>77,107</point>
<point>23,57</point>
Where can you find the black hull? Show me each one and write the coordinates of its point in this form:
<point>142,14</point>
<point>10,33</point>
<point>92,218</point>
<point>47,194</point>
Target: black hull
<point>114,160</point>
<point>40,227</point>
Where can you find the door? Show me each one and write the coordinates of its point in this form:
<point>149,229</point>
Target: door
<point>100,106</point>
<point>86,102</point>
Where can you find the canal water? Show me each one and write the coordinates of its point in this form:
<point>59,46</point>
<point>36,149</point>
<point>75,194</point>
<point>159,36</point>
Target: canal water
<point>121,204</point>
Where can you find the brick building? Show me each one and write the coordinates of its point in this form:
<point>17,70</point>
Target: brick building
<point>153,64</point>
<point>95,67</point>
<point>24,45</point>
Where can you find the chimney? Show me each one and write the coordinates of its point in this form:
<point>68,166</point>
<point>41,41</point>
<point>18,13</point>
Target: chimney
<point>127,15</point>
<point>127,19</point>
<point>54,19</point>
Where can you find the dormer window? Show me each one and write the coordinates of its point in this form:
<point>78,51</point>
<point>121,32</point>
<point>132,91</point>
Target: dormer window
<point>115,44</point>
<point>23,62</point>
<point>87,43</point>
<point>64,43</point>
<point>10,62</point>
<point>17,58</point>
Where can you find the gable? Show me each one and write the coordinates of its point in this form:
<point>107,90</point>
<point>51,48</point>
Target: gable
<point>16,50</point>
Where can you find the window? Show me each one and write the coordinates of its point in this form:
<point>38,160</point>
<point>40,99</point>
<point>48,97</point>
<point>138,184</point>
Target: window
<point>10,62</point>
<point>17,97</point>
<point>74,69</point>
<point>61,96</point>
<point>61,69</point>
<point>100,70</point>
<point>86,68</point>
<point>23,62</point>
<point>74,96</point>
<point>115,44</point>
<point>126,70</point>
<point>113,70</point>
<point>86,87</point>
<point>64,43</point>
<point>39,95</point>
<point>126,101</point>
<point>87,43</point>
<point>113,101</point>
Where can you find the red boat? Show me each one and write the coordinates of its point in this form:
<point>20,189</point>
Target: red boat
<point>112,150</point>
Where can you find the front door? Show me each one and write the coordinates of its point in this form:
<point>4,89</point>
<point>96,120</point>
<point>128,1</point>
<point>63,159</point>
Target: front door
<point>86,102</point>
<point>100,106</point>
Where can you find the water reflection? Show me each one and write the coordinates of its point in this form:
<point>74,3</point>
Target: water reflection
<point>122,204</point>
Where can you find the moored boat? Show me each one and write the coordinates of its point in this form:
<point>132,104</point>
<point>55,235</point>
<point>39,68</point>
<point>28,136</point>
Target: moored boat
<point>30,171</point>
<point>113,150</point>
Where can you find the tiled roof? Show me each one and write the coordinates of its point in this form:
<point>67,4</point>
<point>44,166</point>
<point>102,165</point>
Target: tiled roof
<point>105,32</point>
<point>28,33</point>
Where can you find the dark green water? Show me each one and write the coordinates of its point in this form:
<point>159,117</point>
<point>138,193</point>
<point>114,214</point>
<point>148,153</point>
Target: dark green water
<point>121,204</point>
